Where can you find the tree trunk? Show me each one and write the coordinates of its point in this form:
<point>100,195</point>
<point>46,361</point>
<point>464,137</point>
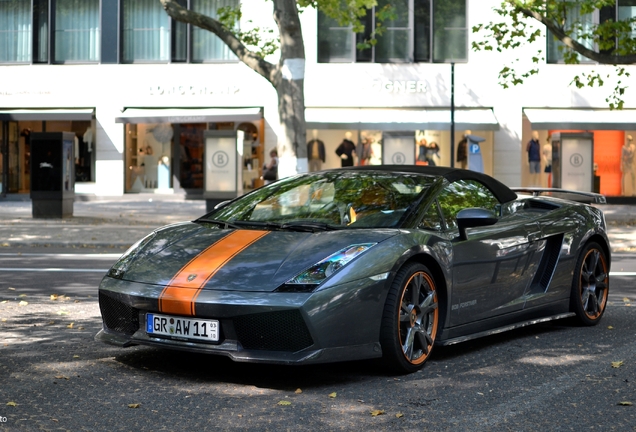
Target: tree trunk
<point>287,77</point>
<point>289,83</point>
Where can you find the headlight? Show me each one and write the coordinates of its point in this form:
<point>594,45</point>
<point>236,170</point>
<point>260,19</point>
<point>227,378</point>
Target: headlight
<point>123,263</point>
<point>309,279</point>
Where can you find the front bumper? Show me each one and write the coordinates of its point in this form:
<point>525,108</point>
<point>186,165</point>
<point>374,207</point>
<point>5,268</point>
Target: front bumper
<point>284,328</point>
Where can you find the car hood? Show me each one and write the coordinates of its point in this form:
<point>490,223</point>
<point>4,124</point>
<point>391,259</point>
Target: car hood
<point>193,256</point>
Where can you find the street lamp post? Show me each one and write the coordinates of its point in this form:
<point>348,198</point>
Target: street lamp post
<point>452,113</point>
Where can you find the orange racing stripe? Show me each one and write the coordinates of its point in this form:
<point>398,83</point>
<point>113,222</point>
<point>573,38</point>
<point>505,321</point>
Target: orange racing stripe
<point>179,296</point>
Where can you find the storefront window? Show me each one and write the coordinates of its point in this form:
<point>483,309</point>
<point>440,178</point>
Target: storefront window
<point>15,31</point>
<point>146,31</point>
<point>77,30</point>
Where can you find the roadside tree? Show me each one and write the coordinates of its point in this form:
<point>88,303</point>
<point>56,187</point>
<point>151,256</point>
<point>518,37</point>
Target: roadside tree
<point>255,45</point>
<point>603,31</point>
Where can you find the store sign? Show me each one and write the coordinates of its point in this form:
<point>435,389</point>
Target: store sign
<point>194,90</point>
<point>577,164</point>
<point>220,164</point>
<point>398,149</point>
<point>400,87</point>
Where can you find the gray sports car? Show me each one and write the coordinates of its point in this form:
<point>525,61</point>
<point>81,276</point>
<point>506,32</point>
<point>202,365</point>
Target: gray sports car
<point>357,263</point>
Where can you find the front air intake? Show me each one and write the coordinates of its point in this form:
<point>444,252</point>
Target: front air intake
<point>118,316</point>
<point>273,331</point>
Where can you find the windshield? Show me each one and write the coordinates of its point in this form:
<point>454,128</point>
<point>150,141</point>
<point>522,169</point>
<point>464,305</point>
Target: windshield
<point>368,199</point>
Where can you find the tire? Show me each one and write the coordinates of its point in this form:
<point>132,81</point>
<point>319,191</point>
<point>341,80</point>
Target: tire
<point>590,285</point>
<point>410,319</point>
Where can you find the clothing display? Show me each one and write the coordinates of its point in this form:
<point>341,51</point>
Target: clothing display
<point>315,154</point>
<point>462,153</point>
<point>347,148</point>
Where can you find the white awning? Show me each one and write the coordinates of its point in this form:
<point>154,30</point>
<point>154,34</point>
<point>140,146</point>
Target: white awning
<point>399,119</point>
<point>188,115</point>
<point>587,119</point>
<point>47,114</point>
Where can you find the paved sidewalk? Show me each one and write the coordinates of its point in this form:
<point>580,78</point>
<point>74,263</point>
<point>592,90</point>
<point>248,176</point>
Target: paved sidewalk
<point>120,221</point>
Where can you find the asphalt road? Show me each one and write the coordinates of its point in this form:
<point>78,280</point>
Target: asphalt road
<point>53,376</point>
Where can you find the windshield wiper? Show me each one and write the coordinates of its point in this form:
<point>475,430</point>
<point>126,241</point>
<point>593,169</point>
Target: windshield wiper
<point>309,226</point>
<point>221,223</point>
<point>259,224</point>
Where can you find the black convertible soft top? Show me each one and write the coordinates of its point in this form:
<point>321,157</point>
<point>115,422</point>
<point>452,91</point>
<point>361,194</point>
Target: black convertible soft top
<point>502,192</point>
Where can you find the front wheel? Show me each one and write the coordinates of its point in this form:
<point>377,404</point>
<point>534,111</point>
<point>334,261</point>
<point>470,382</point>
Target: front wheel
<point>410,319</point>
<point>590,285</point>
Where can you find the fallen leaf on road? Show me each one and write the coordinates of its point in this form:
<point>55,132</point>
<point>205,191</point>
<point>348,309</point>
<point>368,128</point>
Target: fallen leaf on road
<point>617,364</point>
<point>284,402</point>
<point>54,296</point>
<point>134,405</point>
<point>62,312</point>
<point>376,413</point>
<point>610,327</point>
<point>333,395</point>
<point>51,322</point>
<point>70,325</point>
<point>11,288</point>
<point>399,415</point>
<point>4,301</point>
<point>625,403</point>
<point>12,403</point>
<point>80,328</point>
<point>23,303</point>
<point>76,356</point>
<point>3,320</point>
<point>22,295</point>
<point>625,299</point>
<point>61,377</point>
<point>298,391</point>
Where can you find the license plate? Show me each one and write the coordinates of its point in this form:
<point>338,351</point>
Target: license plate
<point>189,328</point>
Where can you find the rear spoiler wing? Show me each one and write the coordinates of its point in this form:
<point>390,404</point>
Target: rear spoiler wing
<point>582,197</point>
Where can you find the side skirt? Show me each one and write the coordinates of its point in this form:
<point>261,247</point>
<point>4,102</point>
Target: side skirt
<point>506,328</point>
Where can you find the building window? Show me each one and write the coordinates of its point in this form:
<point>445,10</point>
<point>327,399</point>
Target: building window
<point>149,34</point>
<point>578,24</point>
<point>146,31</point>
<point>206,46</point>
<point>28,28</point>
<point>15,31</point>
<point>77,37</point>
<point>420,31</point>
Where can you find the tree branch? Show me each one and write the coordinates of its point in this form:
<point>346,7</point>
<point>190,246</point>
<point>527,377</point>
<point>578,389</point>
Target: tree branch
<point>251,59</point>
<point>572,43</point>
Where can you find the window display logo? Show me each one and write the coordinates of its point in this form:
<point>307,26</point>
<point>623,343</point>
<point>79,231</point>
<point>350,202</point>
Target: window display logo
<point>398,158</point>
<point>220,159</point>
<point>576,160</point>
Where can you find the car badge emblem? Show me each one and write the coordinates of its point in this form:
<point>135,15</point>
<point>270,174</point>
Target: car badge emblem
<point>191,277</point>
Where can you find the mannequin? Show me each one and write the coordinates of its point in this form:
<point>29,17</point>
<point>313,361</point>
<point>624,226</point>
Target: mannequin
<point>346,150</point>
<point>546,153</point>
<point>627,165</point>
<point>315,152</point>
<point>432,152</point>
<point>365,152</point>
<point>462,151</point>
<point>534,158</point>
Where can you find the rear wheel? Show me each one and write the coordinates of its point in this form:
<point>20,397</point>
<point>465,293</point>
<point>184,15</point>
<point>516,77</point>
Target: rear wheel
<point>410,319</point>
<point>590,285</point>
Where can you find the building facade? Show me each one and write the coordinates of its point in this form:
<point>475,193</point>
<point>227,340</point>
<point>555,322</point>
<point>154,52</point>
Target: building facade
<point>141,93</point>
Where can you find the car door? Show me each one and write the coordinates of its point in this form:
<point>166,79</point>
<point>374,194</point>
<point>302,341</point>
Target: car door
<point>493,266</point>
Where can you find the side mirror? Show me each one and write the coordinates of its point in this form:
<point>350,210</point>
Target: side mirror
<point>474,217</point>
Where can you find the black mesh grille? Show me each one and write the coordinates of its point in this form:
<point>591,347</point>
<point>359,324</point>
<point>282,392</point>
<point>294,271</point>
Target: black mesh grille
<point>273,331</point>
<point>117,316</point>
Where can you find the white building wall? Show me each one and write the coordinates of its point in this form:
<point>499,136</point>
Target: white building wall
<point>111,88</point>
